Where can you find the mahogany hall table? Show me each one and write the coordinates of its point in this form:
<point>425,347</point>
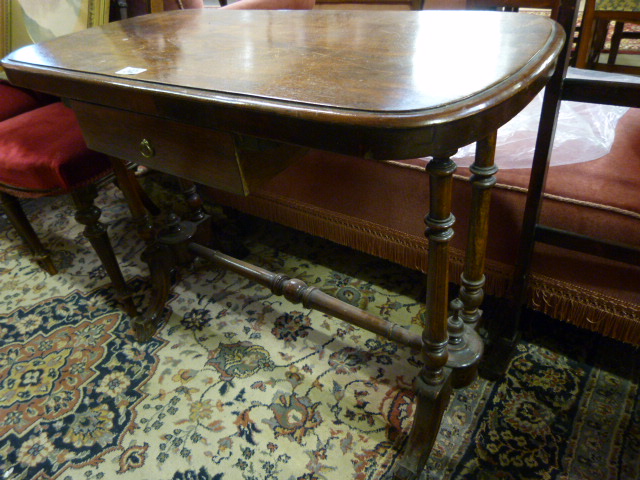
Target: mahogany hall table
<point>221,97</point>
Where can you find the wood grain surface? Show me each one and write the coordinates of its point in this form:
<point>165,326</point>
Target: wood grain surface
<point>390,78</point>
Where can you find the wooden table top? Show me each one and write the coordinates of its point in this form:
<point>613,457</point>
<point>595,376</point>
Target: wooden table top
<point>386,78</point>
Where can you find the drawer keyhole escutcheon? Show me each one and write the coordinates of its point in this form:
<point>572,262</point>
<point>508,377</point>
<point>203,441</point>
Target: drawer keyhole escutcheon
<point>146,149</point>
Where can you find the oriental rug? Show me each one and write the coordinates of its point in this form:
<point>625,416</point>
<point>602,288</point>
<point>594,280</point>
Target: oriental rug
<point>240,384</point>
<point>627,45</point>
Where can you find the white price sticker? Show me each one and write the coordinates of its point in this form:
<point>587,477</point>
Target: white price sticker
<point>131,71</point>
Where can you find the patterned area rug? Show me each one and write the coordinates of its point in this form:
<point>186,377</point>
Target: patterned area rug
<point>240,384</point>
<point>627,45</point>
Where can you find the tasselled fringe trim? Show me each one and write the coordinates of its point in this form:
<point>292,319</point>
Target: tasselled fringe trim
<point>407,250</point>
<point>560,300</point>
<point>585,308</point>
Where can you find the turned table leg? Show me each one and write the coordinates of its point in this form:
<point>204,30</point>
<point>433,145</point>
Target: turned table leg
<point>193,199</point>
<point>465,345</point>
<point>166,249</point>
<point>157,257</point>
<point>433,385</point>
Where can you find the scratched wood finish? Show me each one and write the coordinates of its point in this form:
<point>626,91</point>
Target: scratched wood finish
<point>304,76</point>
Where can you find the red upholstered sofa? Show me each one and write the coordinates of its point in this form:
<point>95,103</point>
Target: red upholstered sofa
<point>378,207</point>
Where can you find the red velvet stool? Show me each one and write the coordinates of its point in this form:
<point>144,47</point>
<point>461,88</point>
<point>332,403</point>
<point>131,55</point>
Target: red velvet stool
<point>42,153</point>
<point>14,100</point>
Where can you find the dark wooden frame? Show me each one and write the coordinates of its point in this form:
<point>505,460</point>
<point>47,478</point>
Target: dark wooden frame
<point>593,30</point>
<point>562,86</point>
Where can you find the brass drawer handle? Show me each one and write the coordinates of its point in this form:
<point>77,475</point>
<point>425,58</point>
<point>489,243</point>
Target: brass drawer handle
<point>146,150</point>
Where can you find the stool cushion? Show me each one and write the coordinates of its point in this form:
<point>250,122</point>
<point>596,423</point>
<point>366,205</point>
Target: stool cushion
<point>14,101</point>
<point>43,152</point>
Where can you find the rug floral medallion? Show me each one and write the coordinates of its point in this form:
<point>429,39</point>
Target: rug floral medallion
<point>241,384</point>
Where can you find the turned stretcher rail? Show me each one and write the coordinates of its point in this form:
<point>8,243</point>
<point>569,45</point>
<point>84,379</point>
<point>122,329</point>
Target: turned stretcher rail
<point>297,291</point>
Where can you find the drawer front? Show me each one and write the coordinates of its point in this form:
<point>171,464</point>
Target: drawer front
<point>205,156</point>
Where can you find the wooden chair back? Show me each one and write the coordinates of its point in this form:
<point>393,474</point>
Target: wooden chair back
<point>369,4</point>
<point>564,85</point>
<point>514,5</point>
<point>596,19</point>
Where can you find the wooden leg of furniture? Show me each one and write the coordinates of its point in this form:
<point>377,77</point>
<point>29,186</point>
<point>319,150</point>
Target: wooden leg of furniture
<point>139,206</point>
<point>207,234</point>
<point>433,387</point>
<point>193,199</point>
<point>147,203</point>
<point>504,327</point>
<point>465,344</point>
<point>432,401</point>
<point>158,257</point>
<point>504,331</point>
<point>160,261</point>
<point>616,38</point>
<point>21,223</point>
<point>601,29</point>
<point>88,215</point>
<point>166,249</point>
<point>197,213</point>
<point>501,345</point>
<point>163,256</point>
<point>586,34</point>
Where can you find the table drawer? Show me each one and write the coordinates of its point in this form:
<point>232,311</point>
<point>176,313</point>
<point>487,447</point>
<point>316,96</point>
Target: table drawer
<point>210,157</point>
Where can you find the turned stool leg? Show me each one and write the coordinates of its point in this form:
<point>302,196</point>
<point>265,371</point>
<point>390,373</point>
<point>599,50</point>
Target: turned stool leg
<point>433,385</point>
<point>20,222</point>
<point>88,215</point>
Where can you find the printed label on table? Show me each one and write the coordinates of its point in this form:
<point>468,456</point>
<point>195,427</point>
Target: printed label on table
<point>131,71</point>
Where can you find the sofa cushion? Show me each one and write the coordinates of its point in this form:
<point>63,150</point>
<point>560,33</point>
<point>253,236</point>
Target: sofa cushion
<point>379,208</point>
<point>42,151</point>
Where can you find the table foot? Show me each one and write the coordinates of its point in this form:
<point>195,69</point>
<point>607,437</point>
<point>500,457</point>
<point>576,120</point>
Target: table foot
<point>144,327</point>
<point>161,262</point>
<point>431,402</point>
<point>465,346</point>
<point>464,358</point>
<point>224,237</point>
<point>163,257</point>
